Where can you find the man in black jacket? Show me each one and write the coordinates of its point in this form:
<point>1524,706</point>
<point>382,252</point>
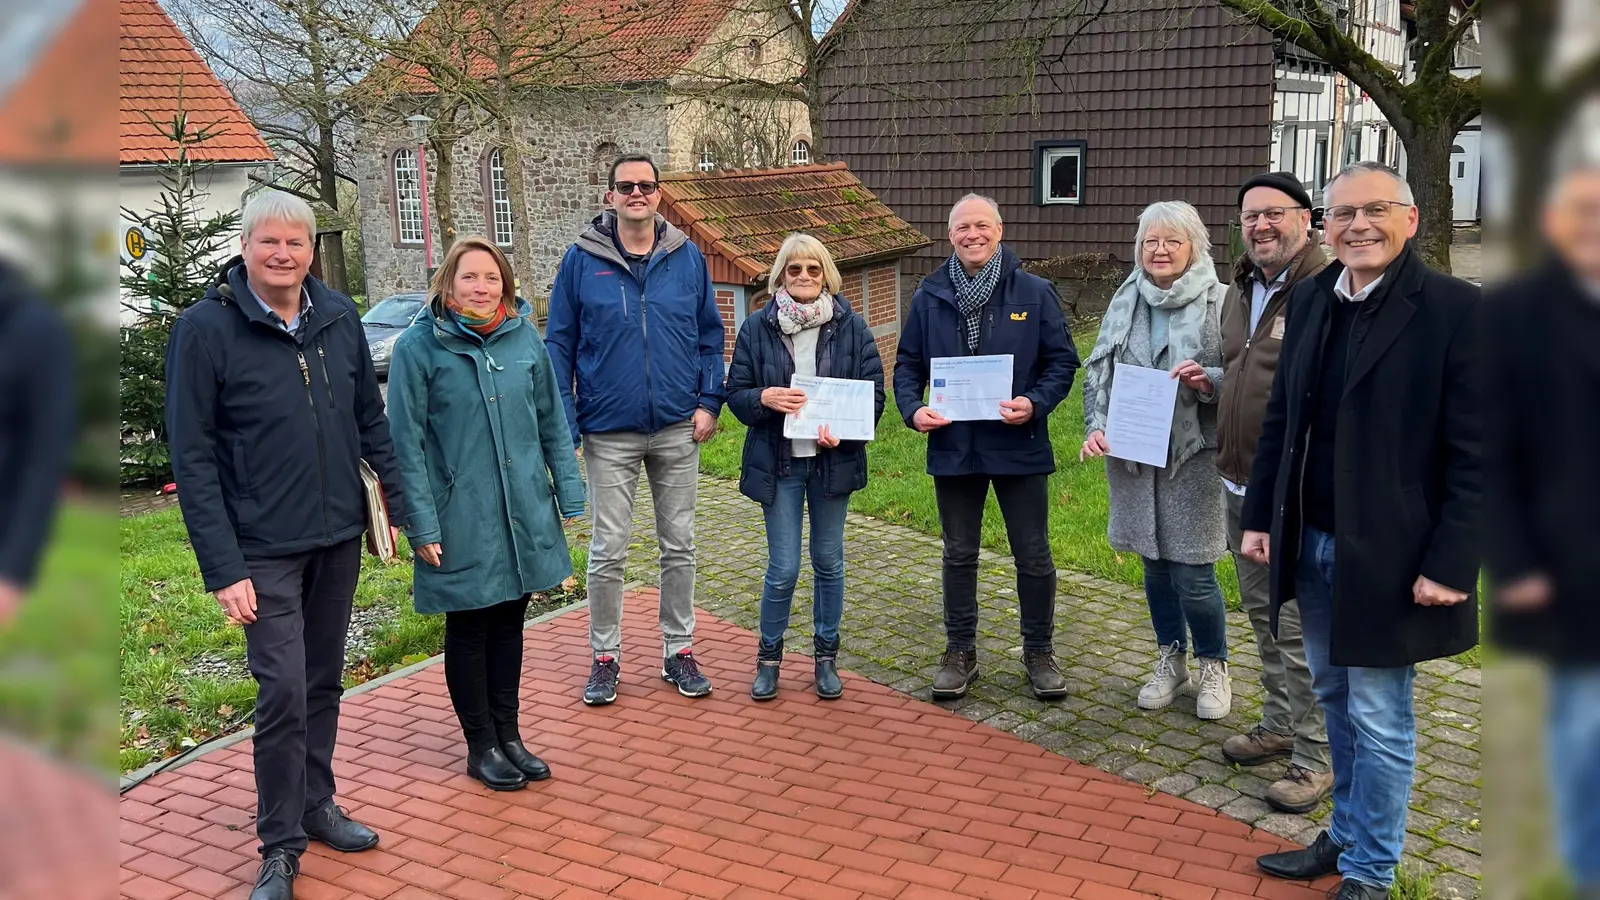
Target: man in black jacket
<point>1369,462</point>
<point>981,303</point>
<point>36,429</point>
<point>272,401</point>
<point>1541,430</point>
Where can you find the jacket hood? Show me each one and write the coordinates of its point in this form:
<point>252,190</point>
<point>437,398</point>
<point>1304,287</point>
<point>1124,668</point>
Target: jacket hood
<point>938,281</point>
<point>598,238</point>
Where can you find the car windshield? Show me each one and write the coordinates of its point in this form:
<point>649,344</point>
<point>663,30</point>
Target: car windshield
<point>394,312</point>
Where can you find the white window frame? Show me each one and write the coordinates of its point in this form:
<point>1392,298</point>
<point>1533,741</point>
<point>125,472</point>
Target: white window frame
<point>708,158</point>
<point>407,197</point>
<point>800,153</point>
<point>499,200</point>
<point>1046,157</point>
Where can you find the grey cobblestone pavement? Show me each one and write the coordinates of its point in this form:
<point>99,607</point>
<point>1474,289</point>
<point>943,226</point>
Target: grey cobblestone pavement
<point>893,634</point>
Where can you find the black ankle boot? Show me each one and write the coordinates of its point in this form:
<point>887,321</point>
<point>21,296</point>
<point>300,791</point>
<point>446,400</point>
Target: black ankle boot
<point>829,687</point>
<point>530,765</point>
<point>491,767</point>
<point>769,657</point>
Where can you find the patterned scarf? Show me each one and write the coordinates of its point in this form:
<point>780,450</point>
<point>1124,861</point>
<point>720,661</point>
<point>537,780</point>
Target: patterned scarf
<point>973,293</point>
<point>794,316</point>
<point>480,324</point>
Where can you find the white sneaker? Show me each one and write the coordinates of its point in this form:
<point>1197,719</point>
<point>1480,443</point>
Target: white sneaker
<point>1216,690</point>
<point>1171,676</point>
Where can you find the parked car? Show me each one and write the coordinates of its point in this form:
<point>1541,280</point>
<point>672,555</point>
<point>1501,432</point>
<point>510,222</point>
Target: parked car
<point>384,323</point>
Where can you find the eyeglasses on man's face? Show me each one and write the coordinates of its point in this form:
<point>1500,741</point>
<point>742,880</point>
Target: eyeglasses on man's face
<point>1376,211</point>
<point>1155,245</point>
<point>626,188</point>
<point>1272,215</point>
<point>795,270</point>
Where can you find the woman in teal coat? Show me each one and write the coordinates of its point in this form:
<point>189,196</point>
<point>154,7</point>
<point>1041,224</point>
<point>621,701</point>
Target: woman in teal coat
<point>484,448</point>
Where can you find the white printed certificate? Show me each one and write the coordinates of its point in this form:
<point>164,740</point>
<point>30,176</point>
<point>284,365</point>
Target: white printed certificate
<point>1139,421</point>
<point>967,388</point>
<point>846,406</point>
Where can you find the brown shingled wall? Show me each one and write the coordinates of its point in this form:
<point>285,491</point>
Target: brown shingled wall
<point>1174,102</point>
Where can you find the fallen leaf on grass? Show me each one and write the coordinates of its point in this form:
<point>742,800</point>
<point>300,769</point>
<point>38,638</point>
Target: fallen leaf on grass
<point>225,710</point>
<point>570,583</point>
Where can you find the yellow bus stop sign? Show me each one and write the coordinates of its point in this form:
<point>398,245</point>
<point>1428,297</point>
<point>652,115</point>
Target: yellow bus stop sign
<point>133,242</point>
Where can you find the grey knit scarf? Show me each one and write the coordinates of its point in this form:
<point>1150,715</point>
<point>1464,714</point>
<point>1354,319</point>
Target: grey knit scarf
<point>973,293</point>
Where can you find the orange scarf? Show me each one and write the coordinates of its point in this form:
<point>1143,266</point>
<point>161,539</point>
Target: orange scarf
<point>480,325</point>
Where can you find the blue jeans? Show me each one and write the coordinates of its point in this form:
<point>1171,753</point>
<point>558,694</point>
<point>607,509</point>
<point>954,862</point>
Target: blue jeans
<point>1181,594</point>
<point>1572,747</point>
<point>1372,735</point>
<point>801,488</point>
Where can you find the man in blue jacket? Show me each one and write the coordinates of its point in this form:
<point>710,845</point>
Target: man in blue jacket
<point>272,402</point>
<point>636,341</point>
<point>981,303</point>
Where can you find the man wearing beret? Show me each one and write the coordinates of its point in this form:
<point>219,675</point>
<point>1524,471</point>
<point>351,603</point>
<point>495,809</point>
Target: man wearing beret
<point>1279,253</point>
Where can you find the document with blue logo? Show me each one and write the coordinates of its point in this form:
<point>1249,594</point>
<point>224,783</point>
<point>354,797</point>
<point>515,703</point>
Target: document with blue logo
<point>848,407</point>
<point>968,388</point>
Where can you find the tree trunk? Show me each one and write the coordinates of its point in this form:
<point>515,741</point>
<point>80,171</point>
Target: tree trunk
<point>443,196</point>
<point>1428,173</point>
<point>334,271</point>
<point>816,110</point>
<point>521,233</point>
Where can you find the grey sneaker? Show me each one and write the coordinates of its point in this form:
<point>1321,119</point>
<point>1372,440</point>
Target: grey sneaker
<point>1171,675</point>
<point>1216,690</point>
<point>681,669</point>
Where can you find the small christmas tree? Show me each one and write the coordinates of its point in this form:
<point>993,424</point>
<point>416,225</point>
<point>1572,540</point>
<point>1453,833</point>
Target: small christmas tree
<point>184,252</point>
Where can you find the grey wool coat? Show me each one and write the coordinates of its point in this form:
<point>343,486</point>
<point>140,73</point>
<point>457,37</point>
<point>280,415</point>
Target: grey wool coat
<point>1159,514</point>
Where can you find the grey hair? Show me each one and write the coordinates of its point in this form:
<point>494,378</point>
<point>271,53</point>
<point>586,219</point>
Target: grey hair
<point>995,207</point>
<point>804,246</point>
<point>277,206</point>
<point>1405,195</point>
<point>1182,218</point>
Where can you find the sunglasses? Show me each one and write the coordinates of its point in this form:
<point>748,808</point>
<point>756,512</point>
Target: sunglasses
<point>795,270</point>
<point>625,188</point>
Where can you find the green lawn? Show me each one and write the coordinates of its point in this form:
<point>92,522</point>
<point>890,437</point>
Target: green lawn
<point>58,670</point>
<point>182,675</point>
<point>900,490</point>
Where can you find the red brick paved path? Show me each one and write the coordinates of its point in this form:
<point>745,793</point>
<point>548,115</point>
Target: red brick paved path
<point>877,795</point>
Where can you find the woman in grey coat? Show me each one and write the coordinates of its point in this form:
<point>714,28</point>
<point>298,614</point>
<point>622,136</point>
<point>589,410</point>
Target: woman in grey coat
<point>1166,315</point>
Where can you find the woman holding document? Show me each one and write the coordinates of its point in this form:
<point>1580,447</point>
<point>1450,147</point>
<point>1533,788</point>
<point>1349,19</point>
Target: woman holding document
<point>1166,316</point>
<point>486,454</point>
<point>806,331</point>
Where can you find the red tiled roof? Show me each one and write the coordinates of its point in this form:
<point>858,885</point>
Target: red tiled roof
<point>59,111</point>
<point>158,66</point>
<point>562,43</point>
<point>740,217</point>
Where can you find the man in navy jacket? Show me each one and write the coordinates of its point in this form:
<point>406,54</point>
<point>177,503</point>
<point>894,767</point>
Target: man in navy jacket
<point>981,303</point>
<point>272,402</point>
<point>636,342</point>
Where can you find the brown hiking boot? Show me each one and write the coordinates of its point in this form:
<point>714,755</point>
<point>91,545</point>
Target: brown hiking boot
<point>1044,674</point>
<point>1300,790</point>
<point>956,673</point>
<point>1257,747</point>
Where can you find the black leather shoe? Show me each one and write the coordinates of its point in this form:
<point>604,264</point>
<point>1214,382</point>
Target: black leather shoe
<point>769,658</point>
<point>1358,890</point>
<point>276,881</point>
<point>495,771</point>
<point>829,687</point>
<point>530,765</point>
<point>1315,861</point>
<point>332,827</point>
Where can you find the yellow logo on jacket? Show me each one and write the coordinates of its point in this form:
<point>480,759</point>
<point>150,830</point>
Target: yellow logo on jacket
<point>1019,317</point>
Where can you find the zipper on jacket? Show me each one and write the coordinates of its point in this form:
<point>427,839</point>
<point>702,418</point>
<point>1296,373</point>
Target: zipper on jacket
<point>322,474</point>
<point>322,360</point>
<point>644,328</point>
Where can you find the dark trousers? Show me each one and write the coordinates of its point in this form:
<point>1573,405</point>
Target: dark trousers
<point>295,648</point>
<point>1025,505</point>
<point>483,670</point>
